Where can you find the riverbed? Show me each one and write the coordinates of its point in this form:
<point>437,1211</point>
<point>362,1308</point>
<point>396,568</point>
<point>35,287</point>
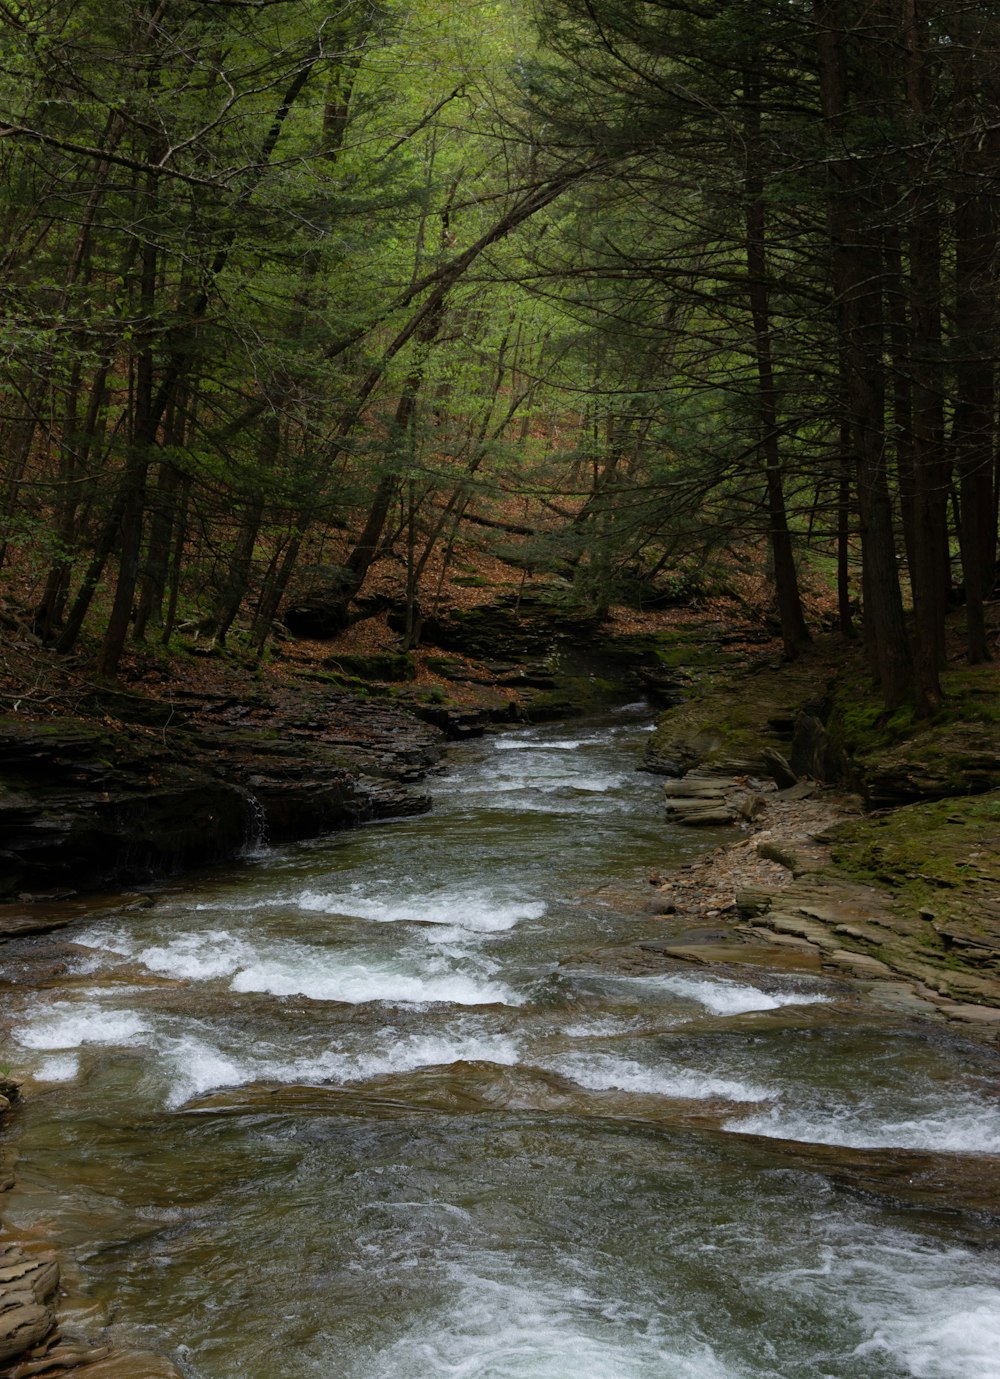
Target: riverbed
<point>393,1105</point>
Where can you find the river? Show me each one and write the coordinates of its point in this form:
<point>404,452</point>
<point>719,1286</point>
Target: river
<point>398,1104</point>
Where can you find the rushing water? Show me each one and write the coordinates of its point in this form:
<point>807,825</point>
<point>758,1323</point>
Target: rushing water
<point>387,1107</point>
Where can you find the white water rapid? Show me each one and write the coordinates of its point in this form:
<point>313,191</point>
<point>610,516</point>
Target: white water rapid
<point>406,1103</point>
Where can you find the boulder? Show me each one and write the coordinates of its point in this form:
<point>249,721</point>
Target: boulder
<point>318,609</point>
<point>812,753</point>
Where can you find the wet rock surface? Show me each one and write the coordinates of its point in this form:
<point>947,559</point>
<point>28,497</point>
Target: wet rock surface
<point>89,803</point>
<point>27,1284</point>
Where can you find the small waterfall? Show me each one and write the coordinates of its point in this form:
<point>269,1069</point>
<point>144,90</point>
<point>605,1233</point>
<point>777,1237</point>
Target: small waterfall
<point>255,839</point>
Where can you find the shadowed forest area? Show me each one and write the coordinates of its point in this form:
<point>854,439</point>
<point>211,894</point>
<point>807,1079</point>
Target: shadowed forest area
<point>632,296</point>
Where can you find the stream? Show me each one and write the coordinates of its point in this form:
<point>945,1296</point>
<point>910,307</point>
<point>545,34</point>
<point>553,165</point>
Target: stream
<point>398,1104</point>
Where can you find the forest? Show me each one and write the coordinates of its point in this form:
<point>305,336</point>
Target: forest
<point>630,287</point>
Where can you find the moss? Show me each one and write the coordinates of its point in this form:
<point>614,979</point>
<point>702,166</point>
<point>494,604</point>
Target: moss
<point>859,724</point>
<point>940,856</point>
<point>571,696</point>
<point>857,721</point>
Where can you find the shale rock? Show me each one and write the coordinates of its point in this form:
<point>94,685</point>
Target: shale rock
<point>93,805</point>
<point>27,1281</point>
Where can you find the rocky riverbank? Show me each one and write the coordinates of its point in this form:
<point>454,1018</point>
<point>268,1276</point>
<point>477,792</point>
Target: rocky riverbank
<point>189,760</point>
<point>872,845</point>
<point>113,800</point>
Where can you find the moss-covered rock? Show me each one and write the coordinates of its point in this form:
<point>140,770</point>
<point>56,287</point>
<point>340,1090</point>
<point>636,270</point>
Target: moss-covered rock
<point>939,861</point>
<point>896,758</point>
<point>730,722</point>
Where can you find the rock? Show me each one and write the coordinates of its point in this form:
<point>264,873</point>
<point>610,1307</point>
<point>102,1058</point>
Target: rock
<point>679,809</point>
<point>700,801</point>
<point>59,1358</point>
<point>969,1014</point>
<point>8,1159</point>
<point>750,903</point>
<point>39,915</point>
<point>27,1281</point>
<point>23,1323</point>
<point>86,807</point>
<point>706,818</point>
<point>10,1089</point>
<point>850,931</point>
<point>962,761</point>
<point>457,722</point>
<point>39,1274</point>
<point>801,790</point>
<point>811,752</point>
<point>780,771</point>
<point>775,851</point>
<point>679,753</point>
<point>697,787</point>
<point>799,927</point>
<point>857,964</point>
<point>319,607</point>
<point>659,906</point>
<point>749,806</point>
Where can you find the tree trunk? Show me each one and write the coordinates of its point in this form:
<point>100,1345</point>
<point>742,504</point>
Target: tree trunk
<point>930,571</point>
<point>794,633</point>
<point>856,259</point>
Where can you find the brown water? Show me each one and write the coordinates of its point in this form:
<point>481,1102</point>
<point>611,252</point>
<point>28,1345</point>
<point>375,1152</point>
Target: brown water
<point>380,1108</point>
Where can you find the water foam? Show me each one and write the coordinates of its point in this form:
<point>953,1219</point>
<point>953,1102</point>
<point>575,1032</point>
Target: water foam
<point>199,1065</point>
<point>597,1028</point>
<point>941,1332</point>
<point>536,1329</point>
<point>518,743</point>
<point>355,983</point>
<point>605,1073</point>
<point>724,997</point>
<point>476,911</point>
<point>961,1129</point>
<point>67,1025</point>
<point>922,1311</point>
<point>430,1050</point>
<point>58,1068</point>
<point>198,957</point>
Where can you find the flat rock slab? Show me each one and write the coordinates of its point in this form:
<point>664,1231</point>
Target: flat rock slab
<point>784,957</point>
<point>858,964</point>
<point>970,1014</point>
<point>42,916</point>
<point>903,998</point>
<point>81,1362</point>
<point>698,787</point>
<point>706,818</point>
<point>799,927</point>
